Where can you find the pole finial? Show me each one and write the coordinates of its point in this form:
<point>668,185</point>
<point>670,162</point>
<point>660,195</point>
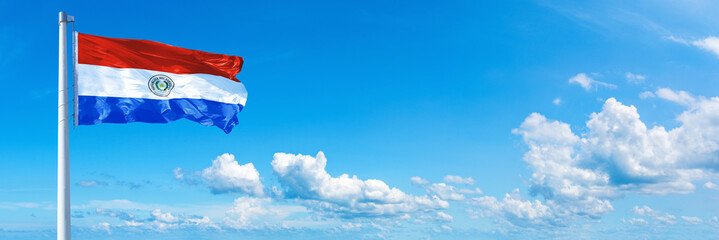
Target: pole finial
<point>63,17</point>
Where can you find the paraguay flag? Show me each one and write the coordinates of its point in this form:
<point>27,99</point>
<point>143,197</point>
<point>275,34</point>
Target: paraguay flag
<point>126,80</point>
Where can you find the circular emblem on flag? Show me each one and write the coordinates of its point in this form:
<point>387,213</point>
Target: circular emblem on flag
<point>161,85</point>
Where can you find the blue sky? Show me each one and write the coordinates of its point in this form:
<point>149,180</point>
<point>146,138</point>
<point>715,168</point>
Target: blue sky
<point>452,120</point>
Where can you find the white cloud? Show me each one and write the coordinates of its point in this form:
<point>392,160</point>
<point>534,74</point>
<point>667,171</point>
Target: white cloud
<point>445,192</point>
<point>711,185</point>
<point>660,216</point>
<point>350,226</point>
<point>635,78</point>
<point>677,40</point>
<point>632,156</point>
<point>114,213</point>
<point>444,217</point>
<point>448,192</point>
<point>158,226</point>
<point>618,154</point>
<point>179,174</point>
<point>557,101</point>
<point>459,180</point>
<point>306,179</point>
<point>246,209</point>
<point>446,228</point>
<point>418,180</point>
<point>203,223</point>
<point>583,80</point>
<point>714,221</point>
<point>256,213</point>
<point>190,178</point>
<point>692,220</point>
<point>103,226</point>
<point>167,217</point>
<point>680,97</point>
<point>710,44</point>
<point>158,220</point>
<point>227,176</point>
<point>643,211</point>
<point>91,183</point>
<point>646,94</point>
<point>515,211</point>
<point>635,221</point>
<point>133,223</point>
<point>438,217</point>
<point>588,83</point>
<point>669,219</point>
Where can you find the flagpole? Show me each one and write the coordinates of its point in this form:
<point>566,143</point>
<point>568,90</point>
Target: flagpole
<point>63,165</point>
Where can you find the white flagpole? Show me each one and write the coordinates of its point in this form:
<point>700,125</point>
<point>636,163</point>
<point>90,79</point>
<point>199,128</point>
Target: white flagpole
<point>63,165</point>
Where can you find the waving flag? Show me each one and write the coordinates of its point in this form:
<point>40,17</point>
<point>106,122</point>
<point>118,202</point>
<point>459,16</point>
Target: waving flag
<point>125,80</point>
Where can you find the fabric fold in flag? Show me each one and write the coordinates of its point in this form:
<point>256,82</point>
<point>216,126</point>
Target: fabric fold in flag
<point>124,80</point>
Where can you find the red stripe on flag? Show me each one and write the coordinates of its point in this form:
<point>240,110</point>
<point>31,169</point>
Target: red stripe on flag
<point>143,54</point>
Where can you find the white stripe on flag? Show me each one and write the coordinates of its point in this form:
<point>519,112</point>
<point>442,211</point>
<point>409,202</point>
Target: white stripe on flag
<point>133,83</point>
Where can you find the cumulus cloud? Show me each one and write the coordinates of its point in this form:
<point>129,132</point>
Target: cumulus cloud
<point>158,220</point>
<point>635,78</point>
<point>245,213</point>
<point>557,101</point>
<point>103,226</point>
<point>588,83</point>
<point>710,44</point>
<point>458,180</point>
<point>619,152</point>
<point>166,217</point>
<point>448,192</point>
<point>515,211</point>
<point>660,216</point>
<point>350,226</point>
<point>579,175</point>
<point>445,191</point>
<point>444,217</point>
<point>418,180</point>
<point>259,212</point>
<point>245,209</point>
<point>202,223</point>
<point>305,178</point>
<point>557,175</point>
<point>133,223</point>
<point>711,185</point>
<point>227,176</point>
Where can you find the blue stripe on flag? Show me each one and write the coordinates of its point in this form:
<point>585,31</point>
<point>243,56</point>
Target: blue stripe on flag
<point>95,110</point>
